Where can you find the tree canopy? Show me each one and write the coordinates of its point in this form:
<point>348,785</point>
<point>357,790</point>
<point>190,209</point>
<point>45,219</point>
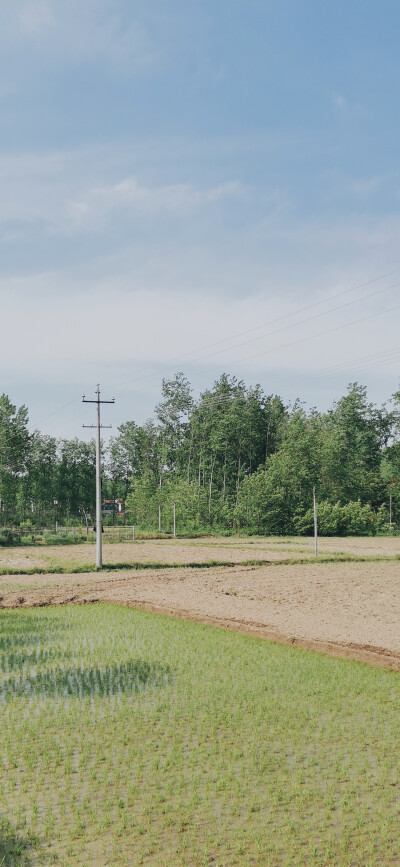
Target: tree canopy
<point>236,458</point>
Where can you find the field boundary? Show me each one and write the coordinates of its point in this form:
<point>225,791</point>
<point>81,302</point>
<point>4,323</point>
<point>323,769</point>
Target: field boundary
<point>368,654</point>
<point>377,656</point>
<point>208,564</point>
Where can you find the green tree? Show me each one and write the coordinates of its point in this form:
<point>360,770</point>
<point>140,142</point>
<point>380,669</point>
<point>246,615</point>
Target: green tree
<point>40,488</point>
<point>76,481</point>
<point>232,431</point>
<point>14,457</point>
<point>127,456</point>
<point>352,450</point>
<point>271,499</point>
<point>173,415</point>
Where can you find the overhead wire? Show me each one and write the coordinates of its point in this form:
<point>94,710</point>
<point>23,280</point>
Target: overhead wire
<point>306,320</point>
<point>307,338</point>
<point>55,411</point>
<point>281,318</point>
<point>149,374</point>
<point>322,333</point>
<point>378,359</point>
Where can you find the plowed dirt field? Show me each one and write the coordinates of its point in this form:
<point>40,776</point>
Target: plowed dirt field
<point>236,550</point>
<point>347,609</point>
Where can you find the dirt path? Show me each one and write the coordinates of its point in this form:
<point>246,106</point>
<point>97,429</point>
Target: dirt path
<point>348,609</point>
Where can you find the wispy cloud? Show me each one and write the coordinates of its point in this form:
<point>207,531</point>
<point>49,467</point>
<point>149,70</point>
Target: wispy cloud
<point>91,30</point>
<point>177,199</point>
<point>339,101</point>
<point>34,19</point>
<point>64,193</point>
<point>366,186</point>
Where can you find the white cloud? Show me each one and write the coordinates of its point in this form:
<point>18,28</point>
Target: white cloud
<point>66,193</point>
<point>156,293</point>
<point>339,101</point>
<point>170,328</point>
<point>366,186</point>
<point>36,19</point>
<point>77,29</point>
<point>177,199</point>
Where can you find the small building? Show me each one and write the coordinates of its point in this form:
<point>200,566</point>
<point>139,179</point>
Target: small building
<point>113,508</point>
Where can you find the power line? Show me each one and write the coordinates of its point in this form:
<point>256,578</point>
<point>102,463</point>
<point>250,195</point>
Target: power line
<point>322,333</point>
<point>310,337</point>
<point>303,321</point>
<point>55,411</point>
<point>269,334</point>
<point>376,358</point>
<point>304,309</point>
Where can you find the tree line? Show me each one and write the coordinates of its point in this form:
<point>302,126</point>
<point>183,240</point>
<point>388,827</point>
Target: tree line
<point>236,458</point>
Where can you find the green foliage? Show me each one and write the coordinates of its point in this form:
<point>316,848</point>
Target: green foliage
<point>269,501</point>
<point>352,450</point>
<point>146,496</point>
<point>352,519</point>
<point>14,451</point>
<point>235,458</point>
<point>127,457</point>
<point>9,537</point>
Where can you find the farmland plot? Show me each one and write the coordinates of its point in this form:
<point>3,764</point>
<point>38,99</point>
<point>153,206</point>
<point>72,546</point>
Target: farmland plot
<point>349,609</point>
<point>232,549</point>
<point>129,738</point>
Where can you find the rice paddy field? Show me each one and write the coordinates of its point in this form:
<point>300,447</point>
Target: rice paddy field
<point>128,737</point>
<point>131,738</point>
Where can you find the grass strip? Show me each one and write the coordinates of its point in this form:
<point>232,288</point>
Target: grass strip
<point>208,564</point>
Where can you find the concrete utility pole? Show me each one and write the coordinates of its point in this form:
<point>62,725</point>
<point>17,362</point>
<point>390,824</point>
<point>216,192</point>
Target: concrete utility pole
<point>315,524</point>
<point>98,426</point>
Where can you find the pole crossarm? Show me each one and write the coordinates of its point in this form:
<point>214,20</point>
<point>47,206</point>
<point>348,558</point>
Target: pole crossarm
<point>98,427</point>
<point>84,400</point>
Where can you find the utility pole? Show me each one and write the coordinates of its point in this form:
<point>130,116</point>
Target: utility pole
<point>315,524</point>
<point>98,426</point>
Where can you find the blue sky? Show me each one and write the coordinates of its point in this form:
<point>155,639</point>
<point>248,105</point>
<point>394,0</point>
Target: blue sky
<point>177,175</point>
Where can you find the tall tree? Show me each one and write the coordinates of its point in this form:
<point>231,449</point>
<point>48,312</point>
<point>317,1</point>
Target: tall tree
<point>76,483</point>
<point>40,487</point>
<point>173,415</point>
<point>127,455</point>
<point>14,455</point>
<point>354,437</point>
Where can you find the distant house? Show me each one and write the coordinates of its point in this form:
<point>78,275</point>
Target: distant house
<point>112,508</point>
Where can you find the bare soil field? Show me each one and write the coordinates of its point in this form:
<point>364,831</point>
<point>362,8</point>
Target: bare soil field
<point>346,609</point>
<point>232,549</point>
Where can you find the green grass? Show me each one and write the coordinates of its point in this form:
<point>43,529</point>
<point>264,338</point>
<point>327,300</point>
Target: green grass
<point>128,738</point>
<point>40,538</point>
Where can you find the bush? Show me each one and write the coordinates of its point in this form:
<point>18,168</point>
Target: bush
<point>352,519</point>
<point>9,537</point>
<point>65,539</point>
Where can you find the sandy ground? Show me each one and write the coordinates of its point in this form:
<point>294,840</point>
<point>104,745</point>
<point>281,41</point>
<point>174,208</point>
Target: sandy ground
<point>235,550</point>
<point>346,609</point>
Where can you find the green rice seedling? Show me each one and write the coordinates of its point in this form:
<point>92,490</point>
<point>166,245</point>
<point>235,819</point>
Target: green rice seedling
<point>131,738</point>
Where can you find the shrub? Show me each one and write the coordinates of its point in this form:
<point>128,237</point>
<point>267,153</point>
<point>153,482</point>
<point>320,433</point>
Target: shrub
<point>352,519</point>
<point>9,537</point>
